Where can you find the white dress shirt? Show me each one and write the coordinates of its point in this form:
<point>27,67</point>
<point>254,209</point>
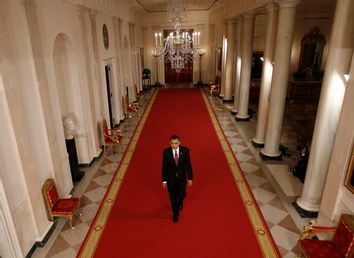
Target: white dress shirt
<point>173,155</point>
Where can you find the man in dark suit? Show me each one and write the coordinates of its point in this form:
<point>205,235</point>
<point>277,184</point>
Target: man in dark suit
<point>176,168</point>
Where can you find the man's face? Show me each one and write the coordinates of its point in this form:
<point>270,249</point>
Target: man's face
<point>175,143</point>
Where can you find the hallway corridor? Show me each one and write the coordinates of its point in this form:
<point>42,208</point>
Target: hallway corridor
<point>282,219</point>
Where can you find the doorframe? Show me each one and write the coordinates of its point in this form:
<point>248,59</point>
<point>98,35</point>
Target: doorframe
<point>110,104</point>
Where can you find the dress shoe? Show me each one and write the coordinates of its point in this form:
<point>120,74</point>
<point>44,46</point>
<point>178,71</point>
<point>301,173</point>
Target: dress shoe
<point>175,219</point>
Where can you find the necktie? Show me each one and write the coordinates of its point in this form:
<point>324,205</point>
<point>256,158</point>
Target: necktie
<point>176,158</point>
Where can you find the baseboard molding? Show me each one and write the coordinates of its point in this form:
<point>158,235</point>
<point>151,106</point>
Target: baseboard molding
<point>87,165</point>
<point>41,243</point>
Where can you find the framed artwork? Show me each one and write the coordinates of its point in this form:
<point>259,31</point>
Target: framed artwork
<point>349,179</point>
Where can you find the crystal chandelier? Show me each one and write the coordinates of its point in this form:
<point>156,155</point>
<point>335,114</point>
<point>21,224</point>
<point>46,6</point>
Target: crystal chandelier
<point>179,48</point>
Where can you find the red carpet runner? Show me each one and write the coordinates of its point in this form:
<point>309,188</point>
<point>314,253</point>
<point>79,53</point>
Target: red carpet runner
<point>220,217</point>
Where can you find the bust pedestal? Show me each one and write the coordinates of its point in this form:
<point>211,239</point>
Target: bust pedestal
<point>76,174</point>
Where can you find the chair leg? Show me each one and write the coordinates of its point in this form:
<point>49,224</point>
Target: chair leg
<point>71,222</point>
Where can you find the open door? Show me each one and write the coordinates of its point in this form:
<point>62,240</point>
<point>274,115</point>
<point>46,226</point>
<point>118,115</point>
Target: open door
<point>108,74</point>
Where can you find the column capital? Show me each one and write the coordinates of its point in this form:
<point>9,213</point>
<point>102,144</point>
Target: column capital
<point>115,20</point>
<point>230,21</point>
<point>288,3</point>
<point>271,7</point>
<point>238,19</point>
<point>29,3</point>
<point>93,13</point>
<point>81,10</point>
<point>249,15</point>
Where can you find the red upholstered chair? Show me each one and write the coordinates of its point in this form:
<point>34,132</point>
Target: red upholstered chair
<point>57,207</point>
<point>112,137</point>
<point>132,108</point>
<point>214,86</point>
<point>341,244</point>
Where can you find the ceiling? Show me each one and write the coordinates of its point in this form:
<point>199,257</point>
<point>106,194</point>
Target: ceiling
<point>153,6</point>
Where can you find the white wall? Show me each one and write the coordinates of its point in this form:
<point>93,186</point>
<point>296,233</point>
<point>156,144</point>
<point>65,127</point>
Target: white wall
<point>32,136</point>
<point>337,199</point>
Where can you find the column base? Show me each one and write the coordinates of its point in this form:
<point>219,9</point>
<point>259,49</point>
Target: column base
<point>233,112</point>
<point>228,100</point>
<point>257,144</point>
<point>270,157</point>
<point>304,213</point>
<point>242,119</point>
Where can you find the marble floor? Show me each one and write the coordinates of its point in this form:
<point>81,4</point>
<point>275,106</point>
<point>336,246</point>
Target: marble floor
<point>275,203</point>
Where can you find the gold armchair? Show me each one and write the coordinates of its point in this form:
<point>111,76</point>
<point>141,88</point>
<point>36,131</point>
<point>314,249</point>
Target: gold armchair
<point>214,87</point>
<point>57,207</point>
<point>132,108</point>
<point>340,245</point>
<point>112,137</point>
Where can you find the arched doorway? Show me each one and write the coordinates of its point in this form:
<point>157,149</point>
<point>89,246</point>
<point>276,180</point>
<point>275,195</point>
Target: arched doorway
<point>186,74</point>
<point>69,92</point>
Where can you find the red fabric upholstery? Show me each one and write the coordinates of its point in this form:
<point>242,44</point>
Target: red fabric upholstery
<point>65,206</point>
<point>52,195</point>
<point>344,238</point>
<point>105,130</point>
<point>110,140</point>
<point>320,249</point>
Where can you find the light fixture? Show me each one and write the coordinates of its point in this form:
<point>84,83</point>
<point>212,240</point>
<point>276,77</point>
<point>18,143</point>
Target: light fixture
<point>178,48</point>
<point>262,58</point>
<point>346,77</point>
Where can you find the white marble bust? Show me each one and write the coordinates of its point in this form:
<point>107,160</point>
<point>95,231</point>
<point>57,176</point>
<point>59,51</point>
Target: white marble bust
<point>70,127</point>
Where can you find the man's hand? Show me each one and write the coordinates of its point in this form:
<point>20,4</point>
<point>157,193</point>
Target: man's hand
<point>164,184</point>
<point>190,183</point>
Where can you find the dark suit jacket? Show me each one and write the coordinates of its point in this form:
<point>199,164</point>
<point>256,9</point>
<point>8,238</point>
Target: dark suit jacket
<point>169,168</point>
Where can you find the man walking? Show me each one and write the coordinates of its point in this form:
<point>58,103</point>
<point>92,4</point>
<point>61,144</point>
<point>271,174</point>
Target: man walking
<point>176,168</point>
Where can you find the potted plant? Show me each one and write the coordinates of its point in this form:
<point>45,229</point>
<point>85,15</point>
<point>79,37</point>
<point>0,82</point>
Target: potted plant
<point>146,73</point>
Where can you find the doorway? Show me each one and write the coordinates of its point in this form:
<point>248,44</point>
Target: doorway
<point>108,73</point>
<point>186,74</point>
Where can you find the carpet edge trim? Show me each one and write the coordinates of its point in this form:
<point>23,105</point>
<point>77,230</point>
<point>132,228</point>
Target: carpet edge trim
<point>96,230</point>
<point>261,230</point>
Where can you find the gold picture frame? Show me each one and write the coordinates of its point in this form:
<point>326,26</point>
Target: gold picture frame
<point>349,178</point>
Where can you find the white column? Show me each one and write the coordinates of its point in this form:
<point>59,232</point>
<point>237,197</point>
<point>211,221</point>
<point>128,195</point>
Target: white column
<point>98,69</point>
<point>229,68</point>
<point>284,39</point>
<point>237,65</point>
<point>267,72</point>
<point>247,46</point>
<point>223,65</point>
<point>119,72</point>
<point>89,99</point>
<point>330,104</point>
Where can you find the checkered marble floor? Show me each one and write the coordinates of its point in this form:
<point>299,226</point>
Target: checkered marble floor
<point>282,219</point>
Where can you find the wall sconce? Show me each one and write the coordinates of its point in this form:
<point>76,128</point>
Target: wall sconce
<point>346,77</point>
<point>196,38</point>
<point>262,58</point>
<point>158,39</point>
